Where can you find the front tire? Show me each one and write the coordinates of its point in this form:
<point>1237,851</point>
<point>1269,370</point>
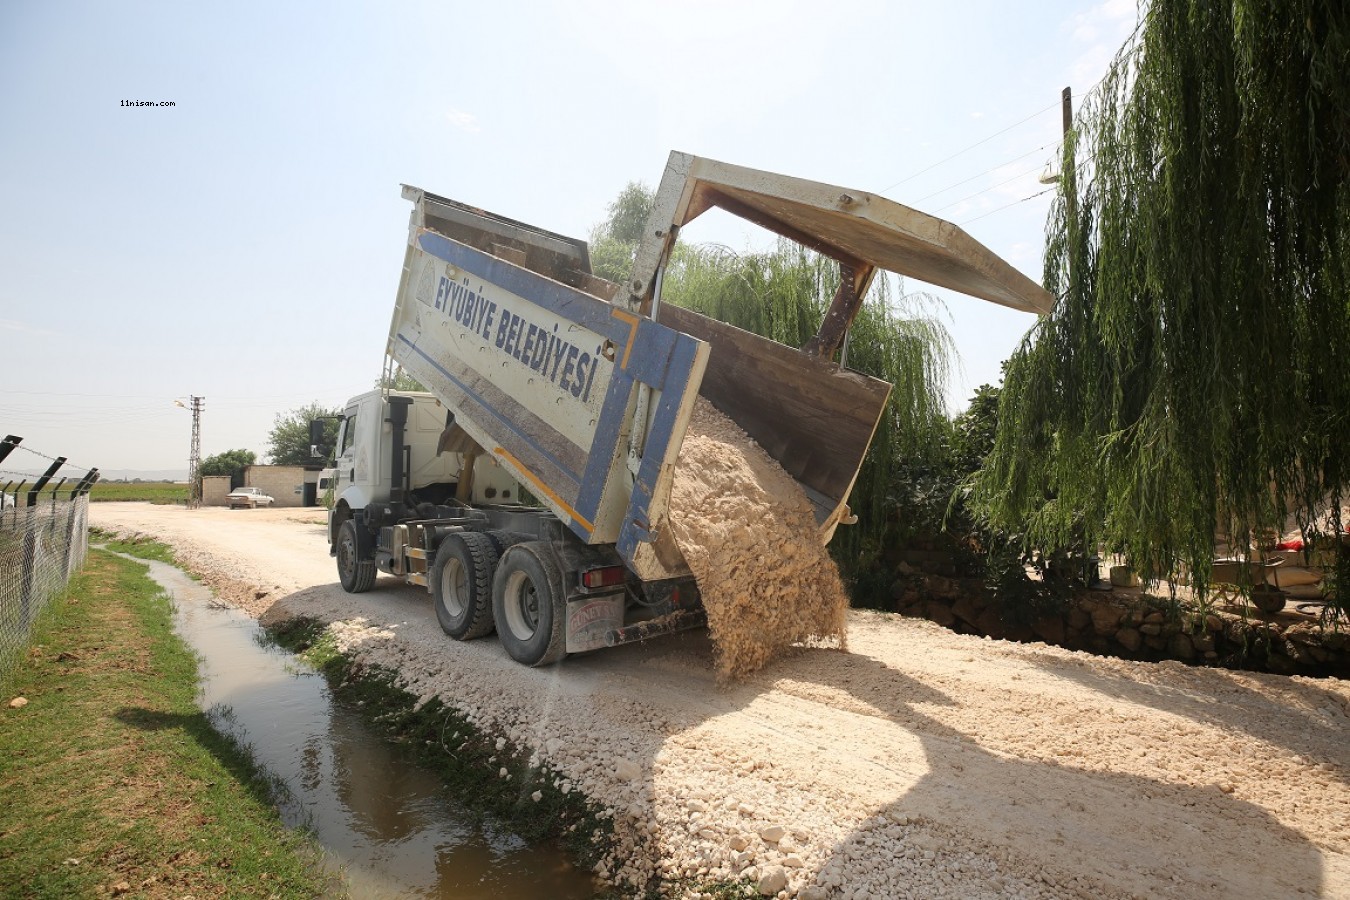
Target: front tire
<point>528,604</point>
<point>356,574</point>
<point>461,584</point>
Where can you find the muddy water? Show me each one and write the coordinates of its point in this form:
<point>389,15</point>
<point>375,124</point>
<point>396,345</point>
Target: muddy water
<point>384,822</point>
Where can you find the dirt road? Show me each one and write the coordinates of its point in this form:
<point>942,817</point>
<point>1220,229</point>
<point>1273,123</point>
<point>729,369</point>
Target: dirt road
<point>920,763</point>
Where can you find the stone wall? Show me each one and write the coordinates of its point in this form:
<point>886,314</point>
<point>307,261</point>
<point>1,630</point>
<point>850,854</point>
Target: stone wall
<point>1135,625</point>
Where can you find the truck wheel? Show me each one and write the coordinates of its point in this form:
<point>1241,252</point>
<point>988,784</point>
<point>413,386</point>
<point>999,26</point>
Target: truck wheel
<point>461,584</point>
<point>529,606</point>
<point>503,539</point>
<point>356,574</point>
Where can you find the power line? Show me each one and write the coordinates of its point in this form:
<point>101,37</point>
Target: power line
<point>1006,206</point>
<point>986,190</point>
<point>986,172</point>
<point>948,159</point>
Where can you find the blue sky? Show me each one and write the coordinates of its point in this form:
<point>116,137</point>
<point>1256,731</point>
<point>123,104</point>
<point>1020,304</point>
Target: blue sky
<point>244,245</point>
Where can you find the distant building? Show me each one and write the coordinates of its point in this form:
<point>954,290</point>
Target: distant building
<point>286,485</point>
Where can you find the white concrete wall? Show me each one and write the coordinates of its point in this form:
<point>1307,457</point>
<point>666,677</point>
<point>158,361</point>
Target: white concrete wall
<point>214,489</point>
<point>278,481</point>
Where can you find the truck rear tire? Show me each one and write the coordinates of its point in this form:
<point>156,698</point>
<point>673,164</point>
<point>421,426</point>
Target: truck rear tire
<point>529,606</point>
<point>461,584</point>
<point>504,539</point>
<point>356,574</point>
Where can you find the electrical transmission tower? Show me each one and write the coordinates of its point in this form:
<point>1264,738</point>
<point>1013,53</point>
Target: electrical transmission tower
<point>195,459</point>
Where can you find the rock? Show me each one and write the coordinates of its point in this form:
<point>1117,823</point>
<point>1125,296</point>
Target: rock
<point>812,892</point>
<point>1180,646</point>
<point>1302,634</point>
<point>1078,619</point>
<point>537,796</point>
<point>772,881</point>
<point>1213,622</point>
<point>18,703</point>
<point>738,843</point>
<point>1336,640</point>
<point>1155,642</point>
<point>1130,639</point>
<point>1150,628</point>
<point>966,610</point>
<point>941,587</point>
<point>1106,619</point>
<point>793,861</point>
<point>122,887</point>
<point>627,770</point>
<point>1155,617</point>
<point>939,612</point>
<point>773,834</point>
<point>990,623</point>
<point>1050,629</point>
<point>1203,642</point>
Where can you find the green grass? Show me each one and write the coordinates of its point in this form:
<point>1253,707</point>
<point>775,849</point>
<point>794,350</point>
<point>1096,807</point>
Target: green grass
<point>139,546</point>
<point>113,780</point>
<point>146,491</point>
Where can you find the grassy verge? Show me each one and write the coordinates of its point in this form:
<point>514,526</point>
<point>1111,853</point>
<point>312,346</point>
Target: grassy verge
<point>113,780</point>
<point>535,802</point>
<point>139,545</point>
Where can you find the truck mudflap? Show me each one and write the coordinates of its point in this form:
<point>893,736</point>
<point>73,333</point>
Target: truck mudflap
<point>591,619</point>
<point>546,378</point>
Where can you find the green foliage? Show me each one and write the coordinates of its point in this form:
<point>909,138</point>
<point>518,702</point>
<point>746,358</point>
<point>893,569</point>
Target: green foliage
<point>288,444</point>
<point>399,381</point>
<point>615,240</point>
<point>1190,381</point>
<point>231,463</point>
<point>629,212</point>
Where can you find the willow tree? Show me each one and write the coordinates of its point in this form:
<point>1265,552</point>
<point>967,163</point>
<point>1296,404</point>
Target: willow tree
<point>1190,385</point>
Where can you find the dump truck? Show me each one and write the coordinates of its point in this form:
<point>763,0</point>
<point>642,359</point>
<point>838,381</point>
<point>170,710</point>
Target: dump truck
<point>528,487</point>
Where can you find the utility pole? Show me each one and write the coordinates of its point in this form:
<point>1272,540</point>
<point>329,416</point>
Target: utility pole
<point>195,459</point>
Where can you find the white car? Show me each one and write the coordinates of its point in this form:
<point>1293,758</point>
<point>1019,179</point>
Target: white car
<point>249,497</point>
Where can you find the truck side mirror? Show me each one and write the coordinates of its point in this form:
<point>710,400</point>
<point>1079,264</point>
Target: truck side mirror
<point>316,437</point>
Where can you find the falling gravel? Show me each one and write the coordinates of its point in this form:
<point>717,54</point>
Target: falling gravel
<point>749,535</point>
<point>920,763</point>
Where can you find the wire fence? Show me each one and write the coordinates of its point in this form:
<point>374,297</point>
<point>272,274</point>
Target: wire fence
<point>41,546</point>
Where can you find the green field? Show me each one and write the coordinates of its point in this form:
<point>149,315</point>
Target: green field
<point>152,491</point>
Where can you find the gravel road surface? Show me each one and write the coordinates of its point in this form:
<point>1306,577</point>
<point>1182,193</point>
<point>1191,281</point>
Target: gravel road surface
<point>919,763</point>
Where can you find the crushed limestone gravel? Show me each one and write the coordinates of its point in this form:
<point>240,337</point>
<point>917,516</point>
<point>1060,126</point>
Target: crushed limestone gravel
<point>920,763</point>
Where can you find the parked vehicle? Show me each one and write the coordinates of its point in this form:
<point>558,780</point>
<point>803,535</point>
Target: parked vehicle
<point>247,498</point>
<point>543,377</point>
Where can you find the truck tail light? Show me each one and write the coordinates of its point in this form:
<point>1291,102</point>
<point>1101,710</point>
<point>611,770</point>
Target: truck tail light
<point>599,578</point>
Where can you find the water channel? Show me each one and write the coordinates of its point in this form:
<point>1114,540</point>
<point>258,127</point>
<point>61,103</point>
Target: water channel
<point>385,823</point>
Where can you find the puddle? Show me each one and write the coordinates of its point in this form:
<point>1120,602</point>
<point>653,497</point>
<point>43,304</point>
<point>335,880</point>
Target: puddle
<point>384,822</point>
